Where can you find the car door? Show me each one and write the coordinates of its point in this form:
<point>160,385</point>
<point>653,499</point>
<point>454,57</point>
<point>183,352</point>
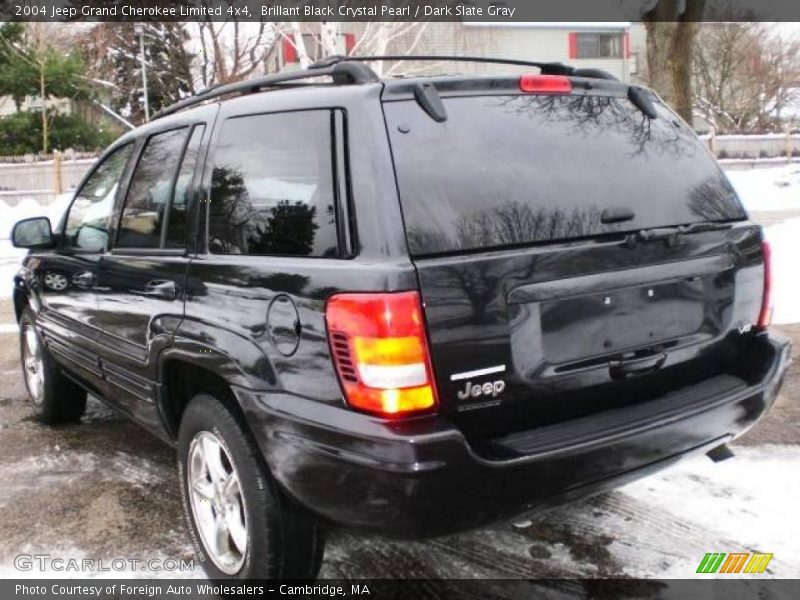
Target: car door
<point>66,276</point>
<point>142,277</point>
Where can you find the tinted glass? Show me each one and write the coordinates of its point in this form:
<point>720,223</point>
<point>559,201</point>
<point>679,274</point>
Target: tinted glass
<point>505,170</point>
<point>272,186</point>
<point>90,213</point>
<point>176,224</point>
<point>150,191</point>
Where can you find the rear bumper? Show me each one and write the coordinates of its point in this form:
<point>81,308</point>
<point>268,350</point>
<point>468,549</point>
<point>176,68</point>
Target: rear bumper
<point>422,478</point>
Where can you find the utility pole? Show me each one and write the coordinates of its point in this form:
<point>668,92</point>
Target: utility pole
<point>139,30</point>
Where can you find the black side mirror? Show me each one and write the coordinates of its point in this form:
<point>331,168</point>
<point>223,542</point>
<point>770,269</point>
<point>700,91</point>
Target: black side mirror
<point>33,233</point>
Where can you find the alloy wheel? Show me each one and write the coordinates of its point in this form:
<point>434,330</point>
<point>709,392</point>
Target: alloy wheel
<point>32,363</point>
<point>217,504</point>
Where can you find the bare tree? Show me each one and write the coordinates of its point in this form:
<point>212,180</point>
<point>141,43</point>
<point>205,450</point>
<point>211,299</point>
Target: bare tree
<point>746,75</point>
<point>293,33</point>
<point>371,38</point>
<point>671,26</point>
<point>232,51</point>
<point>391,37</point>
<point>779,75</point>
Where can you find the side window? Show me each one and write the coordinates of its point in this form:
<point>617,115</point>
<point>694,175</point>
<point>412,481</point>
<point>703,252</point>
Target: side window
<point>150,190</point>
<point>176,223</point>
<point>272,189</point>
<point>87,223</point>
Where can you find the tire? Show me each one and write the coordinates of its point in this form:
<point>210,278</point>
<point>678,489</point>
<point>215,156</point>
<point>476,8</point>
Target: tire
<point>261,533</point>
<point>55,398</point>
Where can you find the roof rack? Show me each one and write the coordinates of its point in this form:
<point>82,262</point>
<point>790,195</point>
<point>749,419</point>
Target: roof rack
<point>547,68</point>
<point>349,70</point>
<point>342,73</point>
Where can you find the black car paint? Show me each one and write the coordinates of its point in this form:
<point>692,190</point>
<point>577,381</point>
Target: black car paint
<point>429,474</point>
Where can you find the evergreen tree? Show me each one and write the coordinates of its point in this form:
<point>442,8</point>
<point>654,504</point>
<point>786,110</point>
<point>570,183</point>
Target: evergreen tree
<point>29,62</point>
<point>115,48</point>
<point>32,65</point>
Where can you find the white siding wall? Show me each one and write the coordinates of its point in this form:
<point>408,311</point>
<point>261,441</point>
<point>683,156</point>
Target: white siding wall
<point>7,106</point>
<point>638,36</point>
<point>522,43</point>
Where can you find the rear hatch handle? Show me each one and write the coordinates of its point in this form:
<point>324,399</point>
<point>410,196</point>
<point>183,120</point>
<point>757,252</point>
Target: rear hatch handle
<point>622,369</point>
<point>616,214</point>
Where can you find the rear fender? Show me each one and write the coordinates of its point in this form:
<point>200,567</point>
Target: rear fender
<point>235,358</point>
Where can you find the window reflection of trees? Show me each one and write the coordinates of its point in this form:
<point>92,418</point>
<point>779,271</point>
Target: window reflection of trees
<point>597,116</point>
<point>588,117</point>
<point>239,227</point>
<point>513,223</point>
<point>715,200</point>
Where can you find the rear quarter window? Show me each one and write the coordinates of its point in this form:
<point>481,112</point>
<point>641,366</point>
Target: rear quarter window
<point>272,186</point>
<point>508,170</point>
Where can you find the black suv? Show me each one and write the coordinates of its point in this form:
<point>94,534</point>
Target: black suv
<point>411,306</point>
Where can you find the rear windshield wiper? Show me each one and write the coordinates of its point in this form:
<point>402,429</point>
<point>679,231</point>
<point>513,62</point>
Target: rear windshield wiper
<point>640,98</point>
<point>671,234</point>
<point>704,226</point>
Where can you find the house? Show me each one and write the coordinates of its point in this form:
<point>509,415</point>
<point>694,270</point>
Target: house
<point>34,103</point>
<point>618,48</point>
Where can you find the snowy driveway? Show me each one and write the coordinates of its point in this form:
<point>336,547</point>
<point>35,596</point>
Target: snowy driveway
<point>105,489</point>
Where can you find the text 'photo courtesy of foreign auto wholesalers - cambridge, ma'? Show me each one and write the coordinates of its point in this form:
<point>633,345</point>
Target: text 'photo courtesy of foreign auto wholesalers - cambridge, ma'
<point>433,299</point>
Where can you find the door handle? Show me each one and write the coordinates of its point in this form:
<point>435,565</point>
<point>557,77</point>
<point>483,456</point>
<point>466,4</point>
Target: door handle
<point>84,280</point>
<point>161,289</point>
<point>621,369</point>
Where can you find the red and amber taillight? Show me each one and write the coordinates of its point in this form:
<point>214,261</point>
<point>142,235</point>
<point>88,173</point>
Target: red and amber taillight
<point>765,316</point>
<point>380,350</point>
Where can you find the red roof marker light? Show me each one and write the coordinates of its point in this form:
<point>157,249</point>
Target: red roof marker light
<point>545,84</point>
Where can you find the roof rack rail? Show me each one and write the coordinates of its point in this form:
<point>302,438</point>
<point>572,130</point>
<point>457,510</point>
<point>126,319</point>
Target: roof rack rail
<point>547,68</point>
<point>344,73</point>
<point>594,74</point>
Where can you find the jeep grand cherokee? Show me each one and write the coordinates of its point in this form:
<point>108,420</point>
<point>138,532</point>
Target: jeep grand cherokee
<point>411,306</point>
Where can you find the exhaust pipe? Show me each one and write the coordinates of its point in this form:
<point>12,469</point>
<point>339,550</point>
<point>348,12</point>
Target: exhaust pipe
<point>720,453</point>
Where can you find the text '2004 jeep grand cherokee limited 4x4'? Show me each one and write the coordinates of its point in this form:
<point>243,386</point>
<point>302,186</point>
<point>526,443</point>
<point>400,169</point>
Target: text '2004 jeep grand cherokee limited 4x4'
<point>411,306</point>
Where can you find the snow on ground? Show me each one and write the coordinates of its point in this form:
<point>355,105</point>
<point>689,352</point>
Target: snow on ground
<point>11,257</point>
<point>661,526</point>
<point>784,239</point>
<point>768,188</point>
<point>745,504</point>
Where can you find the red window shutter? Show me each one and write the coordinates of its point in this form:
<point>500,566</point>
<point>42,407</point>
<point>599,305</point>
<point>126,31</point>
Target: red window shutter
<point>573,45</point>
<point>289,51</point>
<point>626,44</point>
<point>349,42</point>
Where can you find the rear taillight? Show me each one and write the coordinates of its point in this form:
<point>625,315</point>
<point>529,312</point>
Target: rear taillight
<point>545,84</point>
<point>380,350</point>
<point>765,317</point>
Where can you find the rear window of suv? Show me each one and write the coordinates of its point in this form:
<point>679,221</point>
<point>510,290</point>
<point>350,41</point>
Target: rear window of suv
<point>509,170</point>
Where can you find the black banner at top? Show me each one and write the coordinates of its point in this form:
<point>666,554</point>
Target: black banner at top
<point>475,11</point>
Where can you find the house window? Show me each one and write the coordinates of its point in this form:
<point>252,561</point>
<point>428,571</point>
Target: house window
<point>599,45</point>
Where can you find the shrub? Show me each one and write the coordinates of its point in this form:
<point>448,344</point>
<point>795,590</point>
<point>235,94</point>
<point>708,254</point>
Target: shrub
<point>21,133</point>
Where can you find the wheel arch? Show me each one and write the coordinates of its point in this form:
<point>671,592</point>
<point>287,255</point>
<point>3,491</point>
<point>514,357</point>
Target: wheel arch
<point>21,300</point>
<point>183,374</point>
